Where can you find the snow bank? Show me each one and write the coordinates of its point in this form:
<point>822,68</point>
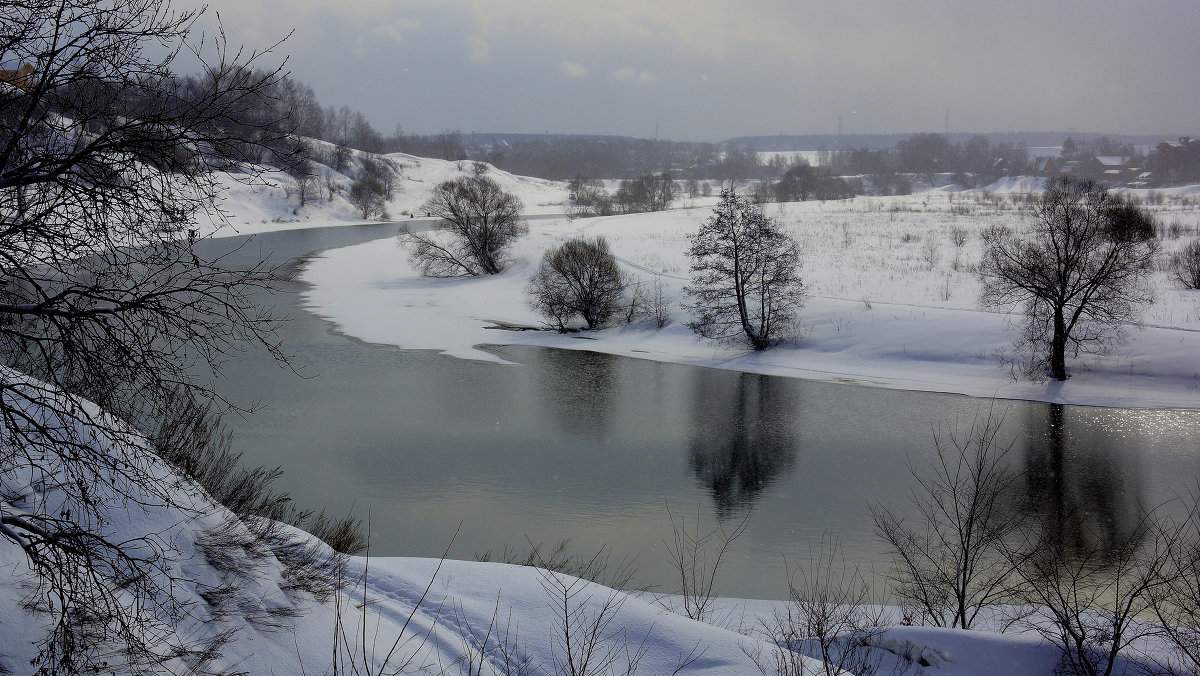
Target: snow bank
<point>878,313</point>
<point>1017,184</point>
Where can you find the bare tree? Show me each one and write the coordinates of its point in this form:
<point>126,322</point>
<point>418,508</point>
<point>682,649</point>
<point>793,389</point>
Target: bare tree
<point>375,185</point>
<point>1093,595</point>
<point>304,172</point>
<point>646,193</point>
<point>1080,273</point>
<point>697,558</point>
<point>478,221</point>
<point>588,198</point>
<point>660,303</point>
<point>1176,602</point>
<point>1186,265</point>
<point>367,195</point>
<point>953,562</point>
<point>929,252</point>
<point>578,277</point>
<point>745,275</point>
<point>339,158</point>
<point>831,615</point>
<point>107,163</point>
<point>958,237</point>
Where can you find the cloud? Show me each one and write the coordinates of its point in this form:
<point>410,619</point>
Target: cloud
<point>397,29</point>
<point>642,77</point>
<point>478,49</point>
<point>573,70</point>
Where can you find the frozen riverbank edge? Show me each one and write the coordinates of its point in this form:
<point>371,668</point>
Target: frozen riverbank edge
<point>890,335</point>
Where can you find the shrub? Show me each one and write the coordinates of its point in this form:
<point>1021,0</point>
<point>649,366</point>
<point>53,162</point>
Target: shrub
<point>1186,265</point>
<point>366,194</point>
<point>477,222</point>
<point>579,277</point>
<point>589,198</point>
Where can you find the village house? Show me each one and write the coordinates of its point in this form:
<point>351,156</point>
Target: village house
<point>19,77</point>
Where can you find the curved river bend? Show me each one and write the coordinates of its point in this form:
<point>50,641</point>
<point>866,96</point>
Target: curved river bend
<point>593,447</point>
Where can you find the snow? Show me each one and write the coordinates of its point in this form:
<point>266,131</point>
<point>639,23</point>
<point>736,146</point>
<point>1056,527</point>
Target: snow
<point>263,205</point>
<point>877,312</point>
<point>1017,184</point>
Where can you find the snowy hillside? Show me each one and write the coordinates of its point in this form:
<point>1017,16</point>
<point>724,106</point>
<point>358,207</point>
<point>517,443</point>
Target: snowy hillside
<point>272,204</point>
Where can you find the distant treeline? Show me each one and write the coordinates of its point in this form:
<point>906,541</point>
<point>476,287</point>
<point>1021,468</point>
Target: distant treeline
<point>1027,139</point>
<point>346,127</point>
<point>563,157</point>
<point>888,162</point>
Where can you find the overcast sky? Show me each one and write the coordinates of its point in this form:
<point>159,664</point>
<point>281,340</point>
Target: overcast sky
<point>708,70</point>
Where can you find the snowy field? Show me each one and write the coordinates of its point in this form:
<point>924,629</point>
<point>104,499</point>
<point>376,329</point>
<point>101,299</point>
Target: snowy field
<point>891,301</point>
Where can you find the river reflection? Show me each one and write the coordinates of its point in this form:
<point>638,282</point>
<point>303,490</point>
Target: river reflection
<point>742,436</point>
<point>591,447</point>
<point>579,390</point>
<point>1085,481</point>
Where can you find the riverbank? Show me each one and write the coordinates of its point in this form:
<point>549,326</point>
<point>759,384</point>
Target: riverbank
<point>882,310</point>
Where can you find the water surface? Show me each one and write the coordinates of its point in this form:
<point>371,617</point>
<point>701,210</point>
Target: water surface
<point>594,448</point>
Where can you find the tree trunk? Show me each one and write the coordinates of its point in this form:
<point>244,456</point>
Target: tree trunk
<point>1058,347</point>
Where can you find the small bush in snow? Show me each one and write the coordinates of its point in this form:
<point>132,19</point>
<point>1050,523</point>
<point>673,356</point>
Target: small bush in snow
<point>1186,265</point>
<point>367,195</point>
<point>581,278</point>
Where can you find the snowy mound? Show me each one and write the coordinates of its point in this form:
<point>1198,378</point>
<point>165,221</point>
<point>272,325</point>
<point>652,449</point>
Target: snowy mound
<point>273,203</point>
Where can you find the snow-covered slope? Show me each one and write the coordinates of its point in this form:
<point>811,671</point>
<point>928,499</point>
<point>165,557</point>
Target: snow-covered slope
<point>271,204</point>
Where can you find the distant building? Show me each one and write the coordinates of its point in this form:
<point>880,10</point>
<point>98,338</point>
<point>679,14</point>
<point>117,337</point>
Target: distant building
<point>1046,166</point>
<point>21,77</point>
<point>1177,162</point>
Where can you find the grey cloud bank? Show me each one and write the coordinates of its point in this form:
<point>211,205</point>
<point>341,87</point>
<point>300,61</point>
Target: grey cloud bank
<point>709,70</point>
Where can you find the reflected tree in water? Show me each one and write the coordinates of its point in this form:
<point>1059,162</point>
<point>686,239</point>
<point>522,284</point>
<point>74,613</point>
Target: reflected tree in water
<point>742,437</point>
<point>1083,488</point>
<point>578,389</point>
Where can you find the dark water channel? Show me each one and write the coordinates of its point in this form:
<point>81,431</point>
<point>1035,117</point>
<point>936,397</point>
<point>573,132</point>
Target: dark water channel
<point>592,447</point>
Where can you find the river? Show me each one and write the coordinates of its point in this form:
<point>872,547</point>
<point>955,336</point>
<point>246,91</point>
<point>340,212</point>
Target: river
<point>595,448</point>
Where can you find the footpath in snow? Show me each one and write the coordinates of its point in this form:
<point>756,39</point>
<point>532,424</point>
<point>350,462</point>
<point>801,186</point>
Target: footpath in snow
<point>892,303</point>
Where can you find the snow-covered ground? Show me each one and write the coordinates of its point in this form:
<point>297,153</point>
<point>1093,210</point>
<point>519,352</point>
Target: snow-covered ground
<point>892,302</point>
<point>270,204</point>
